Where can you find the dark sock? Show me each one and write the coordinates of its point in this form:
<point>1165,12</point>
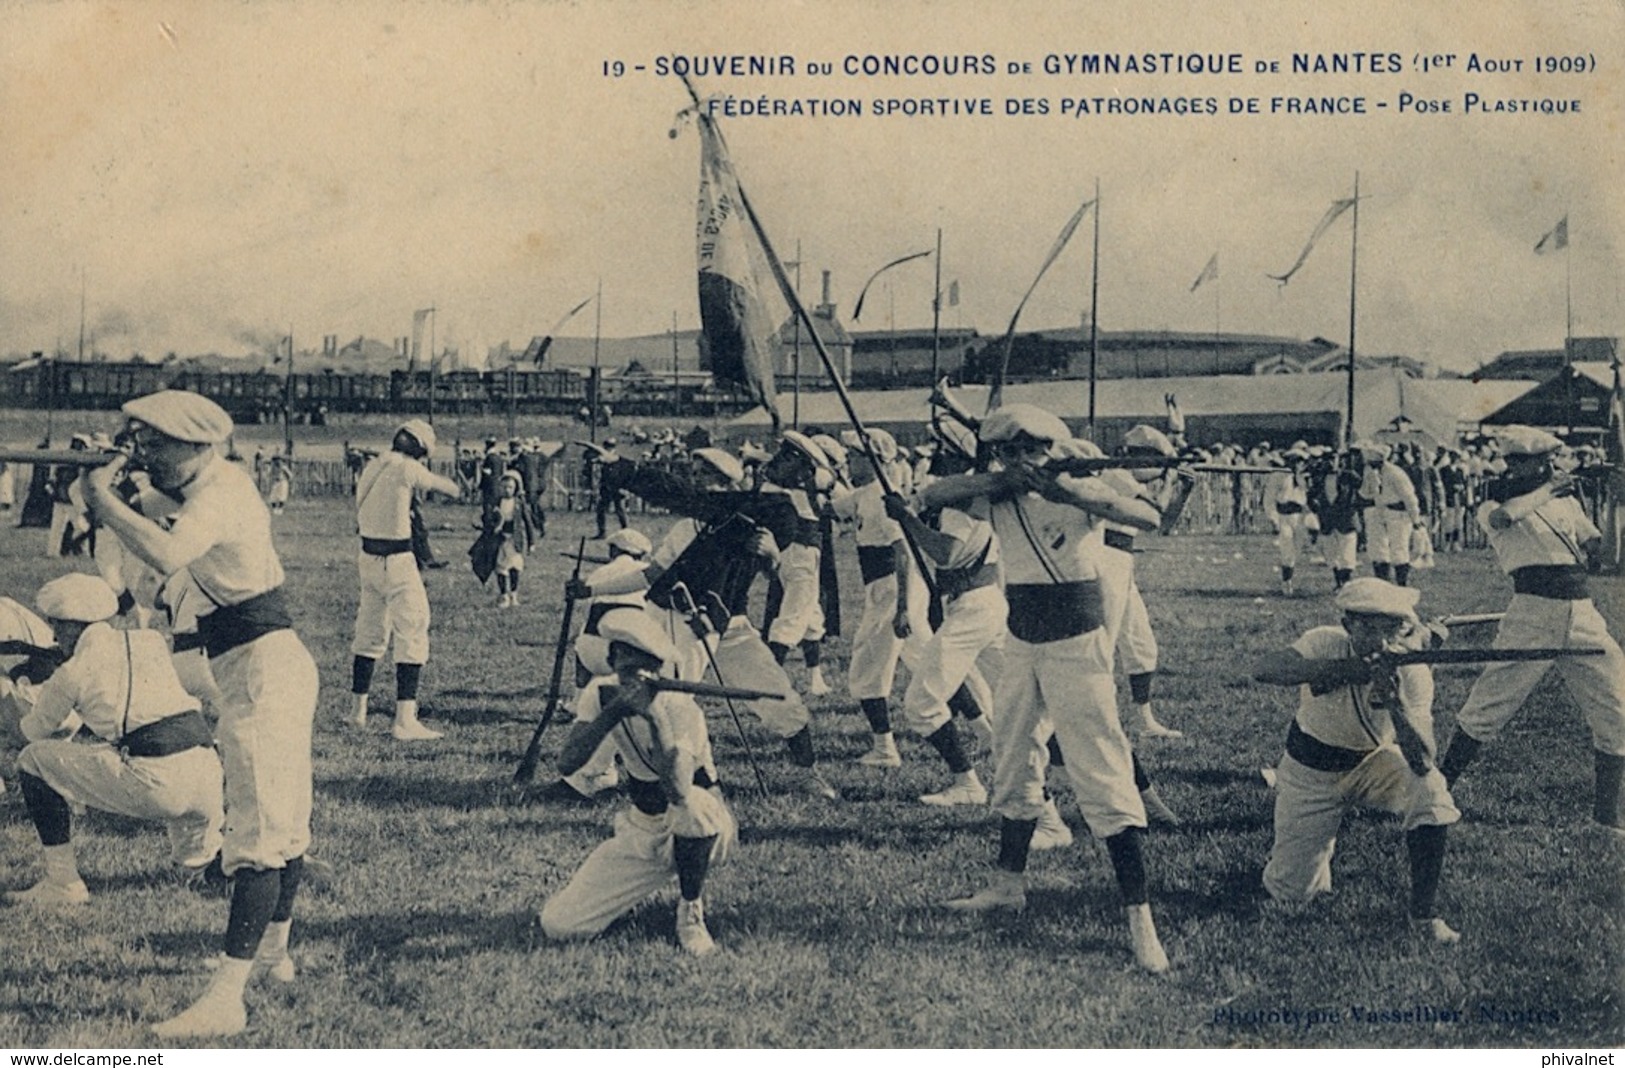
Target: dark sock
<point>1015,839</point>
<point>1402,574</point>
<point>406,681</point>
<point>779,650</point>
<point>1286,573</point>
<point>812,652</point>
<point>1056,758</point>
<point>1605,803</point>
<point>126,603</point>
<point>1381,570</point>
<point>801,748</point>
<point>48,809</point>
<point>1142,781</point>
<point>502,583</point>
<point>877,712</point>
<point>946,741</point>
<point>1139,686</point>
<point>254,895</point>
<point>288,887</point>
<point>513,579</point>
<point>1461,751</point>
<point>1341,576</point>
<point>361,674</point>
<point>1426,848</point>
<point>963,704</point>
<point>692,856</point>
<point>1129,865</point>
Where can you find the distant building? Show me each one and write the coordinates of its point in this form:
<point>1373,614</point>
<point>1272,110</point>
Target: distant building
<point>1542,364</point>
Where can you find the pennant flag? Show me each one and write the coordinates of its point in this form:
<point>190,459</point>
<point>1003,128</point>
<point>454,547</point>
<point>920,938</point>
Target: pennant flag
<point>857,309</point>
<point>1176,418</point>
<point>996,395</point>
<point>953,293</point>
<point>1210,273</point>
<point>1556,239</point>
<point>740,336</point>
<point>420,319</point>
<point>1338,207</point>
<point>547,341</point>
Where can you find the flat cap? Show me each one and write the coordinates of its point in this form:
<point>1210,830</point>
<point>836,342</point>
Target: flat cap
<point>421,432</point>
<point>78,597</point>
<point>1525,441</point>
<point>960,439</point>
<point>182,415</point>
<point>635,627</point>
<point>1149,437</point>
<point>1024,421</point>
<point>807,447</point>
<point>1370,450</point>
<point>1378,597</point>
<point>1078,449</point>
<point>881,441</point>
<point>632,542</point>
<point>832,448</point>
<point>720,460</point>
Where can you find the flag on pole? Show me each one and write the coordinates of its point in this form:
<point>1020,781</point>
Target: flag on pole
<point>420,319</point>
<point>1556,239</point>
<point>1176,418</point>
<point>739,331</point>
<point>953,293</point>
<point>857,309</point>
<point>996,395</point>
<point>547,341</point>
<point>1338,207</point>
<point>1210,273</point>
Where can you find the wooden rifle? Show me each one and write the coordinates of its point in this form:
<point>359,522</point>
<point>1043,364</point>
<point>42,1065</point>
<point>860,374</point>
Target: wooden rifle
<point>533,752</point>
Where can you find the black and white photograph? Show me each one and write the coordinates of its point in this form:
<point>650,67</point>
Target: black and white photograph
<point>932,525</point>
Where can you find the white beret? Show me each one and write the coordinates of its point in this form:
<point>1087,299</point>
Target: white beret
<point>1525,441</point>
<point>1024,420</point>
<point>1370,450</point>
<point>78,597</point>
<point>1078,449</point>
<point>635,627</point>
<point>832,448</point>
<point>513,476</point>
<point>807,447</point>
<point>182,415</point>
<point>883,444</point>
<point>955,436</point>
<point>751,453</point>
<point>722,461</point>
<point>1149,437</point>
<point>421,432</point>
<point>632,541</point>
<point>1378,597</point>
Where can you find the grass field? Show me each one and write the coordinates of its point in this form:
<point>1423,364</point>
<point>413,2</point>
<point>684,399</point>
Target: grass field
<point>828,916</point>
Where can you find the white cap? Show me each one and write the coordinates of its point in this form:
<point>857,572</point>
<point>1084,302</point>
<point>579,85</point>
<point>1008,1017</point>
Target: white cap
<point>635,627</point>
<point>722,461</point>
<point>832,448</point>
<point>78,597</point>
<point>630,541</point>
<point>421,432</point>
<point>807,447</point>
<point>1525,441</point>
<point>1024,420</point>
<point>1149,437</point>
<point>182,415</point>
<point>955,436</point>
<point>1378,597</point>
<point>1078,449</point>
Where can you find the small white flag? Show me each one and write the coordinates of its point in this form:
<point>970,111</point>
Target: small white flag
<point>1556,239</point>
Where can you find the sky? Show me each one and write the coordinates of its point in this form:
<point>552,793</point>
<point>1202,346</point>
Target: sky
<point>212,176</point>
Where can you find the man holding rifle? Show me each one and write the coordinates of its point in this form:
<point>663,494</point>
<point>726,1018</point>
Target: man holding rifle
<point>1544,540</point>
<point>1362,735</point>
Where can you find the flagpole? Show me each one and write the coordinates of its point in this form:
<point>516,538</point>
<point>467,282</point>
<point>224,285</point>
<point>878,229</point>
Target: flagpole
<point>433,359</point>
<point>936,313</point>
<point>1215,323</point>
<point>1094,313</point>
<point>1354,269</point>
<point>1568,334</point>
<point>287,401</point>
<point>597,379</point>
<point>795,355</point>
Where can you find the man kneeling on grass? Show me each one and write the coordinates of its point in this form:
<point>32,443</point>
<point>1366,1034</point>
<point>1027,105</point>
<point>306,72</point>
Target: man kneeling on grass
<point>153,757</point>
<point>677,821</point>
<point>1363,735</point>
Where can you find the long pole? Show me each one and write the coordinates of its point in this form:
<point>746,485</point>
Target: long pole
<point>81,314</point>
<point>287,402</point>
<point>1569,414</point>
<point>1215,326</point>
<point>433,359</point>
<point>1094,313</point>
<point>795,354</point>
<point>676,373</point>
<point>1354,274</point>
<point>936,314</point>
<point>597,372</point>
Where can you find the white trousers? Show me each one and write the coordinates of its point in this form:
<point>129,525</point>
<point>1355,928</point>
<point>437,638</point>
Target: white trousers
<point>1597,683</point>
<point>1065,686</point>
<point>394,606</point>
<point>801,615</point>
<point>1309,808</point>
<point>1126,618</point>
<point>876,648</point>
<point>1388,536</point>
<point>268,689</point>
<point>971,624</point>
<point>182,790</point>
<point>1290,534</point>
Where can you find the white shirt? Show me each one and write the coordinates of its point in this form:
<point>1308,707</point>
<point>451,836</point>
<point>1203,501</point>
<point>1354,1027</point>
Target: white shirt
<point>680,722</point>
<point>1551,535</point>
<point>115,681</point>
<point>1346,716</point>
<point>383,495</point>
<point>1045,542</point>
<point>223,532</point>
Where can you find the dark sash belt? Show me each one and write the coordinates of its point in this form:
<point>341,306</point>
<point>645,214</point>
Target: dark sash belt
<point>875,562</point>
<point>1288,508</point>
<point>1052,612</point>
<point>385,546</point>
<point>1397,507</point>
<point>955,582</point>
<point>1119,539</point>
<point>232,625</point>
<point>170,735</point>
<point>1560,582</point>
<point>1313,753</point>
<point>185,643</point>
